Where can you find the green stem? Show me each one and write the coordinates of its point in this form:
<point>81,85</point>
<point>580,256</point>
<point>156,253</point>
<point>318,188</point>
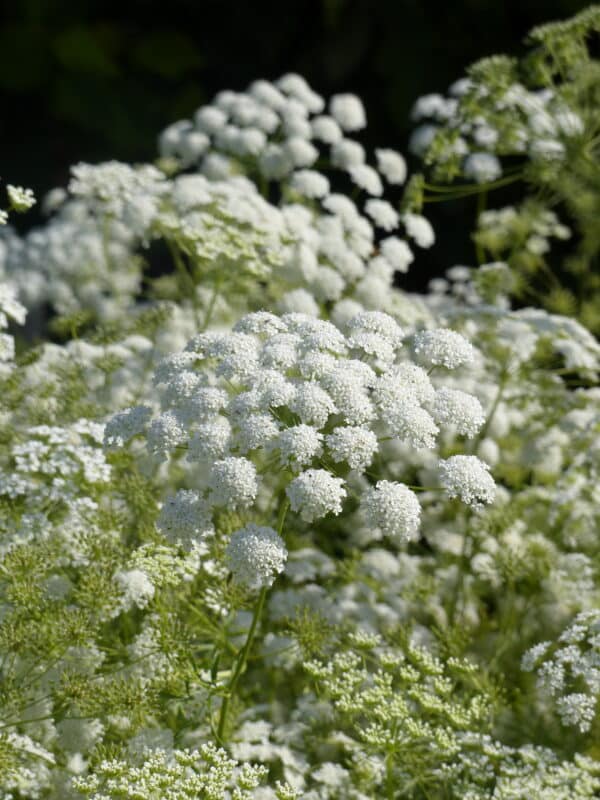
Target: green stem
<point>457,193</point>
<point>241,663</point>
<point>186,278</point>
<point>389,776</point>
<point>242,658</point>
<point>211,306</point>
<point>492,412</point>
<point>513,172</point>
<point>463,565</point>
<point>479,249</point>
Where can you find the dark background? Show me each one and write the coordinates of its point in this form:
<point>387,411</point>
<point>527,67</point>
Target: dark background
<point>95,80</point>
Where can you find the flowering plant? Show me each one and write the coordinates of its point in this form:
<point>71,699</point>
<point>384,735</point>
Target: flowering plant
<point>272,527</point>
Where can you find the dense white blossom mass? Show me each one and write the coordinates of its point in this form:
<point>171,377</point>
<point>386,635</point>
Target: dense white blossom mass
<point>272,527</point>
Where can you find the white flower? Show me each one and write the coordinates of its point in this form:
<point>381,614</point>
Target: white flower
<point>259,322</point>
<point>382,214</point>
<point>310,183</point>
<point>165,433</point>
<point>391,165</point>
<point>137,588</point>
<point>433,105</point>
<point>397,253</point>
<point>348,392</point>
<point>482,167</point>
<point>316,493</point>
<point>366,178</point>
<point>296,86</point>
<point>349,111</point>
<point>255,430</point>
<point>421,138</point>
<point>185,517</point>
<point>216,167</point>
<point>328,284</point>
<point>578,710</point>
<point>443,347</point>
<point>411,423</point>
<point>394,508</point>
<point>333,775</point>
<point>419,228</point>
<point>343,207</point>
<point>20,199</point>
<point>377,322</point>
<point>280,351</point>
<point>210,119</point>
<point>468,478</point>
<point>7,348</point>
<point>233,482</point>
<point>211,440</point>
<point>191,146</point>
<point>380,350</point>
<point>569,122</point>
<point>485,136</point>
<point>547,149</point>
<point>251,141</point>
<point>462,410</point>
<point>326,129</point>
<point>299,301</point>
<point>533,655</point>
<point>460,87</point>
<point>167,368</point>
<point>354,444</point>
<point>256,555</point>
<point>275,162</point>
<point>300,152</point>
<point>126,424</point>
<point>313,404</point>
<point>403,379</point>
<point>299,445</point>
<point>347,153</point>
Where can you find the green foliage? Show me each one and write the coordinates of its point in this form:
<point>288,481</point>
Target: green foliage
<point>506,98</point>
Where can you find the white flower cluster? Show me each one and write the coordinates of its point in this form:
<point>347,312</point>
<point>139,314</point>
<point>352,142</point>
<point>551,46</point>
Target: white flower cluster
<point>256,555</point>
<point>468,478</point>
<point>20,199</point>
<point>516,121</point>
<point>278,483</point>
<point>206,772</point>
<point>500,229</point>
<point>53,460</point>
<point>136,588</point>
<point>315,247</point>
<point>10,309</point>
<point>569,670</point>
<point>296,389</point>
<point>76,261</point>
<point>444,348</point>
<point>113,187</point>
<point>281,131</point>
<point>185,518</point>
<point>395,509</point>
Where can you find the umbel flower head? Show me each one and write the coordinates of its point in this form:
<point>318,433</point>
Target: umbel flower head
<point>291,404</point>
<point>568,670</point>
<point>256,555</point>
<point>277,135</point>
